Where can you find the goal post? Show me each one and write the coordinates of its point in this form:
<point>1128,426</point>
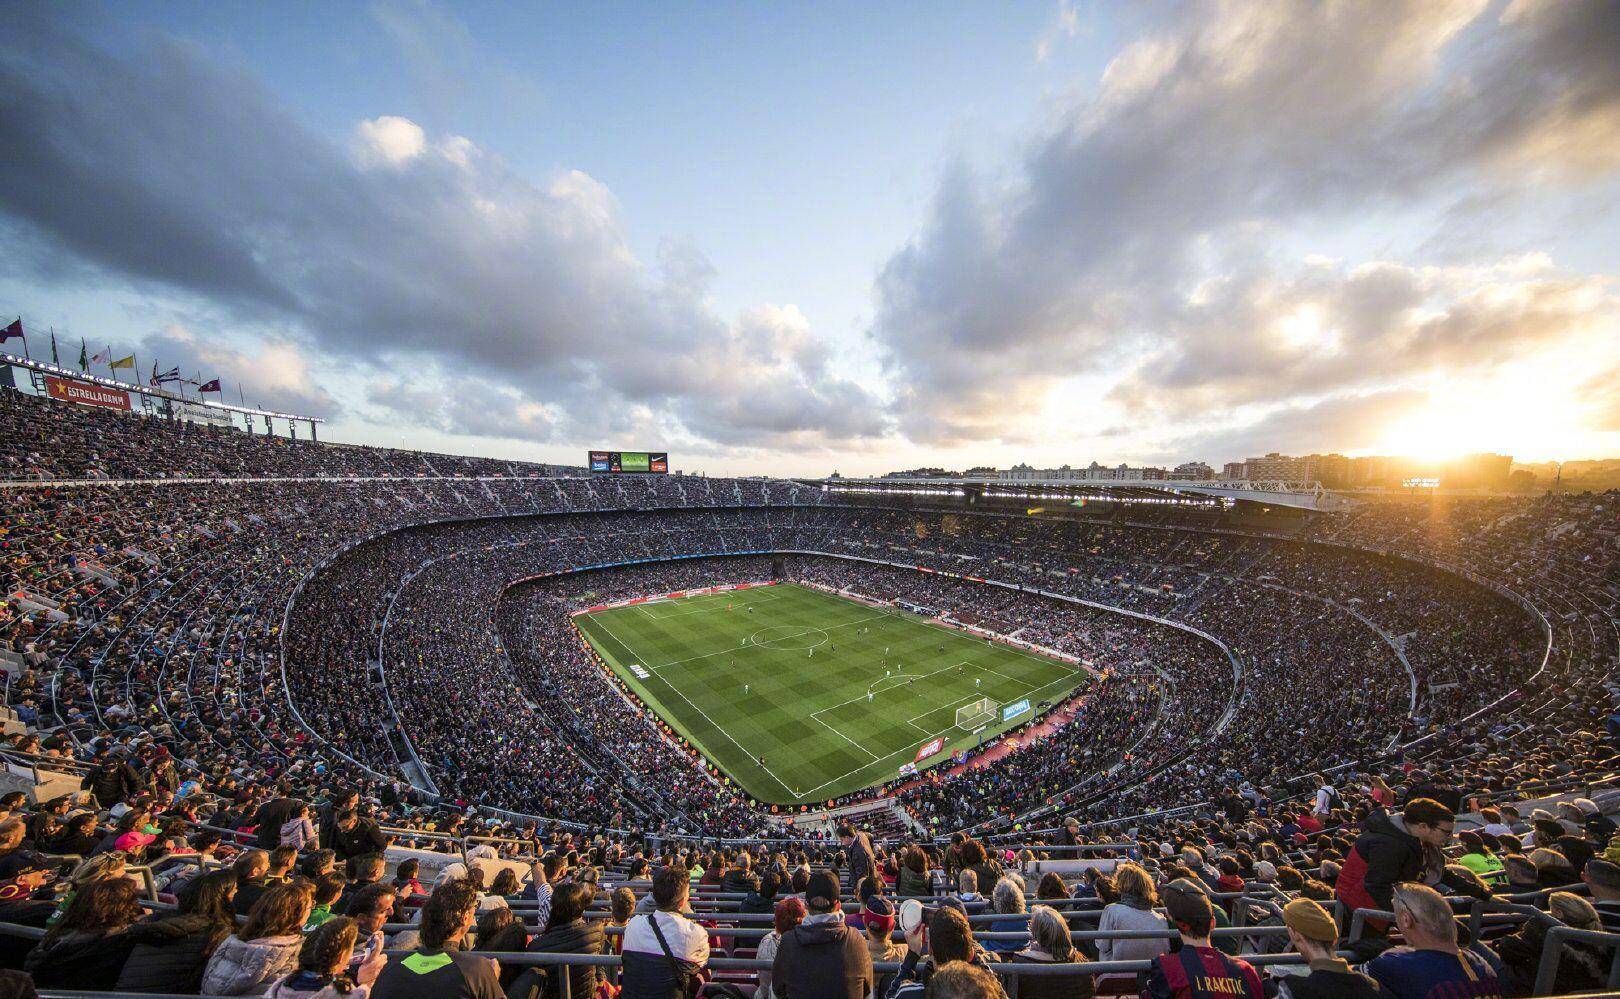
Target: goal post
<point>979,712</point>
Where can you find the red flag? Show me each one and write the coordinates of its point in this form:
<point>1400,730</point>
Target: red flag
<point>212,386</point>
<point>15,329</point>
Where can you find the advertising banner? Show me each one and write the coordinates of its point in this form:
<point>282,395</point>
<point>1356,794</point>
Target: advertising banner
<point>633,462</point>
<point>85,394</point>
<point>1013,710</point>
<point>193,413</point>
<point>929,748</point>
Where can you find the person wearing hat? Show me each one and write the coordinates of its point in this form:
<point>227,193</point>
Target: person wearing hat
<point>821,958</point>
<point>1313,933</point>
<point>1197,970</point>
<point>26,872</point>
<point>877,917</point>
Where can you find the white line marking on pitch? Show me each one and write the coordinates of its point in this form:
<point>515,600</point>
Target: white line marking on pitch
<point>751,757</point>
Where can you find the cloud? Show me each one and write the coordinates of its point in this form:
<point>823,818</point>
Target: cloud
<point>1144,230</point>
<point>399,246</point>
<point>1347,423</point>
<point>392,140</point>
<point>274,373</point>
<point>1264,334</point>
<point>1065,23</point>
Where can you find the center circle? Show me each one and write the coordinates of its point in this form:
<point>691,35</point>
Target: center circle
<point>789,638</point>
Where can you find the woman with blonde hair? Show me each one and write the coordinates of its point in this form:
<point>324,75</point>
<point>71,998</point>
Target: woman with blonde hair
<point>1134,911</point>
<point>1581,967</point>
<point>266,947</point>
<point>101,867</point>
<point>1050,943</point>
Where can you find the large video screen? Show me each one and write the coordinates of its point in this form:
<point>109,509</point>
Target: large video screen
<point>656,462</point>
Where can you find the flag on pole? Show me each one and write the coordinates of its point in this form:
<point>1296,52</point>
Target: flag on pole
<point>171,375</point>
<point>124,362</point>
<point>212,386</point>
<point>102,357</point>
<point>15,329</point>
<point>54,359</point>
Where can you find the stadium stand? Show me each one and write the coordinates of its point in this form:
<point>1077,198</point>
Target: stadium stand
<point>1385,746</point>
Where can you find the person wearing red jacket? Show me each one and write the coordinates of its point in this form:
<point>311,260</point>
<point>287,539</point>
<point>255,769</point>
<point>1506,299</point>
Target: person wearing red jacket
<point>1393,849</point>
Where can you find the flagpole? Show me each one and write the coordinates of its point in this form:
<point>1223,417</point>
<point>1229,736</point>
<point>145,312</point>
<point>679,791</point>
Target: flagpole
<point>26,352</point>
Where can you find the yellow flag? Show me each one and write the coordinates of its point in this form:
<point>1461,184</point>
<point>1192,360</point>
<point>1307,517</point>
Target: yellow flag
<point>123,362</point>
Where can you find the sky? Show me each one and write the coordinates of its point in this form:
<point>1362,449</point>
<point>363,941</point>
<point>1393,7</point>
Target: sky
<point>790,239</point>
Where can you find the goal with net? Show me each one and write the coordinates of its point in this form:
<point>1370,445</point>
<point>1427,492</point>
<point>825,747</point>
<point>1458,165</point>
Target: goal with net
<point>979,712</point>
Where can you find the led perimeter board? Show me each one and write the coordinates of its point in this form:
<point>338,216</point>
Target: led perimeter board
<point>611,462</point>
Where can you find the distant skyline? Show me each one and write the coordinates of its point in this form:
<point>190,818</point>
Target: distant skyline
<point>865,237</point>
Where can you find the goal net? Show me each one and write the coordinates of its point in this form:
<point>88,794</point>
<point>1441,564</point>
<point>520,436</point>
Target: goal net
<point>980,712</point>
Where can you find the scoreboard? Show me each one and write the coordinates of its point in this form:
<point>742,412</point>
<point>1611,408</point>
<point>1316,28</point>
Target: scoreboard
<point>612,462</point>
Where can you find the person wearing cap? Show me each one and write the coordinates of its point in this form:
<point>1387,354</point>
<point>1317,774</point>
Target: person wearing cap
<point>1197,970</point>
<point>821,958</point>
<point>27,872</point>
<point>877,918</point>
<point>1313,933</point>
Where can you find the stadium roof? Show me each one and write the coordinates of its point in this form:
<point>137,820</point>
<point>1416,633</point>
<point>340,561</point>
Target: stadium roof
<point>1189,492</point>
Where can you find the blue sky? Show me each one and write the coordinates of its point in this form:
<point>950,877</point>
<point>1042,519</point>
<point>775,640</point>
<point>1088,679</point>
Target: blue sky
<point>856,236</point>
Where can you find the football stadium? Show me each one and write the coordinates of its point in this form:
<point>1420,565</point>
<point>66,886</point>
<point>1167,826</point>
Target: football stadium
<point>831,726</point>
<point>829,501</point>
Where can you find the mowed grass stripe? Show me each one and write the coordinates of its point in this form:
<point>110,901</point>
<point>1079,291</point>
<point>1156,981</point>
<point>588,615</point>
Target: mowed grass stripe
<point>788,681</point>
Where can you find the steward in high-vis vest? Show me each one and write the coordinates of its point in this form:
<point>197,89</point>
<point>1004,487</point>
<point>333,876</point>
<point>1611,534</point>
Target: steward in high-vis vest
<point>1197,970</point>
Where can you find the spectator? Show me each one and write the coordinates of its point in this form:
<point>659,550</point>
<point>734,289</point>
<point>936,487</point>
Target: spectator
<point>176,948</point>
<point>821,958</point>
<point>1430,957</point>
<point>252,879</point>
<point>789,912</point>
<point>569,932</point>
<point>1581,967</point>
<point>862,861</point>
<point>328,889</point>
<point>947,938</point>
<point>1197,969</point>
<point>87,948</point>
<point>1007,898</point>
<point>960,980</point>
<point>663,950</point>
<point>323,965</point>
<point>877,921</point>
<point>439,968</point>
<point>298,831</point>
<point>1312,932</point>
<point>1134,912</point>
<point>265,948</point>
<point>913,881</point>
<point>1050,943</point>
<point>1602,879</point>
<point>1394,849</point>
<point>370,909</point>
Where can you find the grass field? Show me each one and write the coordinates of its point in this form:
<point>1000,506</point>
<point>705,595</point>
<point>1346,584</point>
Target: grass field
<point>797,677</point>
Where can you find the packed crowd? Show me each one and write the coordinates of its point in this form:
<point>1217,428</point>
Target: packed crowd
<point>1401,884</point>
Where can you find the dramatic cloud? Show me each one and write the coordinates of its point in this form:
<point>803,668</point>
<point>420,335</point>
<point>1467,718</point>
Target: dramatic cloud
<point>1143,231</point>
<point>396,247</point>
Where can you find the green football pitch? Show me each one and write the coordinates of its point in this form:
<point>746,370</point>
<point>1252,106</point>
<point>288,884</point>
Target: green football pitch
<point>801,696</point>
